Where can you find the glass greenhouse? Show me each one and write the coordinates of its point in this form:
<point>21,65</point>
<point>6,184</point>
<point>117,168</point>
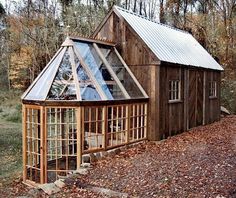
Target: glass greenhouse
<point>85,100</point>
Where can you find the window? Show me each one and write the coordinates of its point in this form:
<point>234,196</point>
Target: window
<point>174,90</point>
<point>212,89</point>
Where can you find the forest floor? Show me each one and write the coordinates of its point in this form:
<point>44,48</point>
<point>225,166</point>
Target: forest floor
<point>197,163</point>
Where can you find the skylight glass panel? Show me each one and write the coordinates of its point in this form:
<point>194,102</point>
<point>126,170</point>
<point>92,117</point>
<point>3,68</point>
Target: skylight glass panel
<point>39,91</point>
<point>102,75</point>
<point>63,86</point>
<point>122,73</point>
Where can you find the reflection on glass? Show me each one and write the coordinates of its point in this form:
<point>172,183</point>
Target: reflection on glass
<point>63,87</point>
<point>102,75</point>
<point>38,92</point>
<point>123,75</point>
<point>87,89</point>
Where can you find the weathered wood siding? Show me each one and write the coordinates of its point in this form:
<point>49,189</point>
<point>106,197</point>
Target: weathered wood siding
<point>212,110</point>
<point>171,113</point>
<point>195,107</point>
<point>195,98</point>
<point>142,62</point>
<point>165,118</point>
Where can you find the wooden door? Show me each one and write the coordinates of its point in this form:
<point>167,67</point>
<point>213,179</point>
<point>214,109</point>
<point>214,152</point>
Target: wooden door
<point>195,98</point>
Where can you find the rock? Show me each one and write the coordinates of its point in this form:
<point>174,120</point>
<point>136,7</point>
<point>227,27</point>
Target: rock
<point>86,165</point>
<point>60,183</point>
<point>103,153</point>
<point>92,157</point>
<point>224,110</point>
<point>86,158</point>
<point>49,188</point>
<point>34,192</point>
<point>107,192</point>
<point>117,150</point>
<point>82,171</point>
<point>98,155</point>
<point>111,152</point>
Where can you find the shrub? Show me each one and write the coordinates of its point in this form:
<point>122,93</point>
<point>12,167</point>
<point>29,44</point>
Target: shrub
<point>228,95</point>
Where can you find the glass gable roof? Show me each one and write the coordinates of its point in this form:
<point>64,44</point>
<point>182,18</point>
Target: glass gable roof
<point>85,71</point>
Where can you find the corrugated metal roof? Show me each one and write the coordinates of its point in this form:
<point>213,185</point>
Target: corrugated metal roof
<point>170,44</point>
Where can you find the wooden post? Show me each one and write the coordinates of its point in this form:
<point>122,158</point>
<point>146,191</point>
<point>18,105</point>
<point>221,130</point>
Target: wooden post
<point>79,136</point>
<point>154,104</point>
<point>45,143</point>
<point>127,123</point>
<point>104,126</point>
<point>42,145</point>
<point>186,87</point>
<point>204,99</point>
<point>145,120</point>
<point>24,141</point>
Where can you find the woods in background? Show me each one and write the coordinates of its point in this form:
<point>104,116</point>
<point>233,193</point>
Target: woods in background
<point>31,31</point>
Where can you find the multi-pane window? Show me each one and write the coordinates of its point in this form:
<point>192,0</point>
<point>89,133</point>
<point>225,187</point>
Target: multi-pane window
<point>174,90</point>
<point>212,89</point>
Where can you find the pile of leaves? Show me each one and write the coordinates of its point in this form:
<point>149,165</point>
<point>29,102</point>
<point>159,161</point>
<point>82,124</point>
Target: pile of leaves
<point>198,163</point>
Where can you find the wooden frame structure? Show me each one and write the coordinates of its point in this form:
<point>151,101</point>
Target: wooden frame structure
<point>62,122</point>
<point>157,55</point>
<point>55,137</point>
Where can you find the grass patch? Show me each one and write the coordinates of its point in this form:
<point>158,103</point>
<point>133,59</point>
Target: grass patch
<point>10,149</point>
<point>10,136</point>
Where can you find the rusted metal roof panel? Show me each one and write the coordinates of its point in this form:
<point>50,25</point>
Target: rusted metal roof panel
<point>169,44</point>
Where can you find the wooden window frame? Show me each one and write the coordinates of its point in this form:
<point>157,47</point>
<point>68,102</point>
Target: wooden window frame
<point>174,91</point>
<point>212,89</point>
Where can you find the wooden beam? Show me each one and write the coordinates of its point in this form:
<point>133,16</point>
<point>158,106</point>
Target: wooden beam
<point>92,40</point>
<point>131,73</point>
<point>79,137</point>
<point>90,75</point>
<point>45,143</point>
<point>204,99</point>
<point>74,73</point>
<point>42,145</point>
<point>104,126</point>
<point>57,65</point>
<point>24,141</point>
<point>185,99</point>
<point>109,68</point>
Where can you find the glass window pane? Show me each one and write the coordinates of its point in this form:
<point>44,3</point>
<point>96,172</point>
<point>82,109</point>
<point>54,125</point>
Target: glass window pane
<point>87,89</point>
<point>63,87</point>
<point>123,75</point>
<point>39,91</point>
<point>102,75</point>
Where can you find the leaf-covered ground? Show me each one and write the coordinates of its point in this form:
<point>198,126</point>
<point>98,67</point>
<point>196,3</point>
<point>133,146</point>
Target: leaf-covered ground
<point>198,163</point>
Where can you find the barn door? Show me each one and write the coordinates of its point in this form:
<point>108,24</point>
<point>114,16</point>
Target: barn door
<point>195,98</point>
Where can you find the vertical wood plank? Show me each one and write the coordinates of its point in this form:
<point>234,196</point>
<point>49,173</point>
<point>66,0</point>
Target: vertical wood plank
<point>127,123</point>
<point>104,127</point>
<point>24,141</point>
<point>79,137</point>
<point>204,99</point>
<point>42,145</point>
<point>45,143</point>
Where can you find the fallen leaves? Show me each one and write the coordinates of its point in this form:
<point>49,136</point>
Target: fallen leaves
<point>198,163</point>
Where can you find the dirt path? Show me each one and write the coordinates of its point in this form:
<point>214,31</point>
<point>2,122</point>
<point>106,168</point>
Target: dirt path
<point>198,163</point>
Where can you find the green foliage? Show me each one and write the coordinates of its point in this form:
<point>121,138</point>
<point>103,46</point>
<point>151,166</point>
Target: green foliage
<point>228,95</point>
<point>10,149</point>
<point>10,106</point>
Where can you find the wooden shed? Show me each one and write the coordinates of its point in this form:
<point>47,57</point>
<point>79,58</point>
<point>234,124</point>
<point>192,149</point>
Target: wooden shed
<point>180,77</point>
<point>133,80</point>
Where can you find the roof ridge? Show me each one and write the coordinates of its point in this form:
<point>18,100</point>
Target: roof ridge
<point>138,15</point>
